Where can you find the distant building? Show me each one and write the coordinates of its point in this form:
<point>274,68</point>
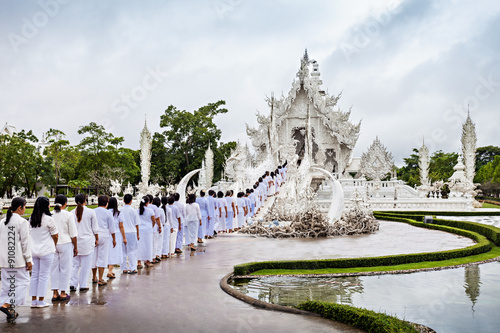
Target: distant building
<point>8,130</point>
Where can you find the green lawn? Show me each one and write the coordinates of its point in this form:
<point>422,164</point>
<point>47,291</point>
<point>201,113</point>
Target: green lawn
<point>488,205</point>
<point>495,252</point>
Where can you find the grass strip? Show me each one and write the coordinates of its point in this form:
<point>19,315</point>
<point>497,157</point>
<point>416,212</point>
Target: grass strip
<point>494,253</point>
<point>364,319</point>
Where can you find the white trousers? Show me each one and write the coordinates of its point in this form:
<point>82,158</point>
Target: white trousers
<point>129,250</point>
<point>173,241</point>
<point>81,270</point>
<point>61,267</point>
<point>145,245</point>
<point>15,282</point>
<point>40,275</point>
<point>101,252</point>
<point>155,241</point>
<point>202,227</point>
<point>210,226</point>
<point>165,248</point>
<point>192,231</point>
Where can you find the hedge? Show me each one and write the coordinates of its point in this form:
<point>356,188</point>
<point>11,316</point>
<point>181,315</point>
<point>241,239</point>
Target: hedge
<point>364,319</point>
<point>483,245</point>
<point>421,213</point>
<point>490,232</point>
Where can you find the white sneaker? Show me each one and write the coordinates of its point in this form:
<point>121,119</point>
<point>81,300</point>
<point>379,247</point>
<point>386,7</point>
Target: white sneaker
<point>34,304</point>
<point>42,304</point>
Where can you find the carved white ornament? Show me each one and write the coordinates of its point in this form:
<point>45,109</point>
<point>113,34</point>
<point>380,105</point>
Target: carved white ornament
<point>377,162</point>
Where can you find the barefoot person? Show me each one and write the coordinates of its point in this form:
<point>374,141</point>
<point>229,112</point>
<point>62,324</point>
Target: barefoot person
<point>115,254</point>
<point>15,258</point>
<point>66,249</point>
<point>87,228</point>
<point>43,233</point>
<point>147,222</point>
<point>193,220</point>
<point>131,221</point>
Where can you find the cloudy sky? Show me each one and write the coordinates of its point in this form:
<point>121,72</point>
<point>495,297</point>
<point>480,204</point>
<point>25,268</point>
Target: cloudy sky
<point>408,68</point>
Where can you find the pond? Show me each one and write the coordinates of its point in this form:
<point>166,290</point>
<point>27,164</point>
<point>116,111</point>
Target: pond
<point>453,300</point>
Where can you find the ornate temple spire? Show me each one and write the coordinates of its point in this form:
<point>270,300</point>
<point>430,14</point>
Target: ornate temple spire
<point>423,164</point>
<point>469,141</point>
<point>145,142</point>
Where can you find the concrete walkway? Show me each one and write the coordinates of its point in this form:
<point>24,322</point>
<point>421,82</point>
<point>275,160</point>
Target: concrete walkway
<point>182,294</point>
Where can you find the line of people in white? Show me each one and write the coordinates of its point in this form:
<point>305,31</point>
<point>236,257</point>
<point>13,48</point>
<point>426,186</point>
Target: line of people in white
<point>65,247</point>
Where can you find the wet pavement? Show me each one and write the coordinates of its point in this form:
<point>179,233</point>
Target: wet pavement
<point>182,293</point>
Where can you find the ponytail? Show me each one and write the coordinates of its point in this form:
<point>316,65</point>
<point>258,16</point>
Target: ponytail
<point>143,204</point>
<point>59,201</point>
<point>80,201</point>
<point>14,205</point>
<point>164,203</point>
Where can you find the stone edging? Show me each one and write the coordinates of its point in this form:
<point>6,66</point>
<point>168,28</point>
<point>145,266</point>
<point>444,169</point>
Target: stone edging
<point>224,285</point>
<point>407,271</point>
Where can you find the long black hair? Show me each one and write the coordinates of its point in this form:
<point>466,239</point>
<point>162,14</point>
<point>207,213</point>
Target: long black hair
<point>42,205</point>
<point>14,205</point>
<point>59,201</point>
<point>80,201</point>
<point>156,201</point>
<point>143,204</point>
<point>164,203</point>
<point>113,204</point>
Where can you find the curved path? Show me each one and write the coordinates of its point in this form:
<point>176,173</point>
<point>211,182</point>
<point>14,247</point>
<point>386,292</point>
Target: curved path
<point>183,294</point>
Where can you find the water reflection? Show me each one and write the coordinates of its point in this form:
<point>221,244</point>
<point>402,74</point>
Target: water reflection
<point>292,291</point>
<point>472,283</point>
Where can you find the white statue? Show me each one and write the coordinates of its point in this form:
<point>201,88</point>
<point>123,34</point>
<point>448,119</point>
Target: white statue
<point>469,141</point>
<point>145,143</point>
<point>376,163</point>
<point>116,187</point>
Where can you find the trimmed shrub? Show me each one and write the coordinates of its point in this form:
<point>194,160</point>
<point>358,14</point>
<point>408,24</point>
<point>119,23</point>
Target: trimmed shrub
<point>482,246</point>
<point>364,319</point>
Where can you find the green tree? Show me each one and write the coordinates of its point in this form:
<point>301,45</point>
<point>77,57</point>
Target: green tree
<point>485,155</point>
<point>441,165</point>
<point>182,145</point>
<point>409,172</point>
<point>56,151</point>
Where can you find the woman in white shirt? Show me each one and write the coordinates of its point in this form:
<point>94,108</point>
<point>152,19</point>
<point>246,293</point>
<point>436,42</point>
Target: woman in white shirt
<point>66,249</point>
<point>193,220</point>
<point>167,228</point>
<point>15,258</point>
<point>88,229</point>
<point>147,222</point>
<point>115,254</point>
<point>221,212</point>
<point>157,228</point>
<point>231,211</point>
<point>159,214</point>
<point>43,233</point>
<point>241,209</point>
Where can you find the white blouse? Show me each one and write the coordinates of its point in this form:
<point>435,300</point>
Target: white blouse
<point>66,226</point>
<point>87,229</point>
<point>16,234</point>
<point>42,243</point>
<point>192,212</point>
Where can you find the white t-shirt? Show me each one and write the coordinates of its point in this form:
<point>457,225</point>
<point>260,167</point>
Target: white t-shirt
<point>130,219</point>
<point>66,226</point>
<point>87,229</point>
<point>146,224</point>
<point>175,217</point>
<point>42,243</point>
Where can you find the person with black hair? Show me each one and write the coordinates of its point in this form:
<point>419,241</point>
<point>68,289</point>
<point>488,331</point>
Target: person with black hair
<point>66,249</point>
<point>43,233</point>
<point>193,220</point>
<point>203,203</point>
<point>15,258</point>
<point>248,204</point>
<point>145,243</point>
<point>180,234</point>
<point>88,236</point>
<point>221,212</point>
<point>211,209</point>
<point>167,228</point>
<point>115,254</point>
<point>231,211</point>
<point>241,210</point>
<point>130,219</point>
<point>176,224</point>
<point>160,219</point>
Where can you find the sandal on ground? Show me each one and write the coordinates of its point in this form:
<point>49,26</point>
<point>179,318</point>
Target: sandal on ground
<point>94,281</point>
<point>148,265</point>
<point>11,314</point>
<point>84,289</point>
<point>132,272</point>
<point>178,251</point>
<point>64,299</point>
<point>201,242</point>
<point>55,299</point>
<point>140,266</point>
<point>102,283</point>
<point>111,276</point>
<point>125,272</point>
<point>72,288</point>
<point>193,249</point>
